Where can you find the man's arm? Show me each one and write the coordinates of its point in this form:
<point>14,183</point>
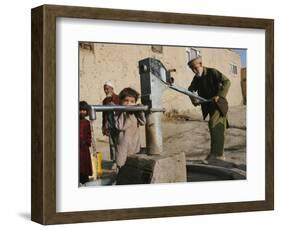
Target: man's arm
<point>193,88</point>
<point>224,83</point>
<point>103,116</point>
<point>105,130</point>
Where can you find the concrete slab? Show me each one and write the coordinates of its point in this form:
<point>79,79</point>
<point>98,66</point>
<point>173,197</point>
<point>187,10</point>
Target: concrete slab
<point>151,169</point>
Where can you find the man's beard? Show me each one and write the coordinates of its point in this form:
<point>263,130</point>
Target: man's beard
<point>109,95</point>
<point>200,73</point>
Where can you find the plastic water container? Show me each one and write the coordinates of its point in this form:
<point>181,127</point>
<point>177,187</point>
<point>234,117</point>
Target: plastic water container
<point>99,158</point>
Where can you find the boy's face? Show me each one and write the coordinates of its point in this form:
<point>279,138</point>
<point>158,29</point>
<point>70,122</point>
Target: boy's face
<point>108,90</point>
<point>83,113</point>
<point>129,101</point>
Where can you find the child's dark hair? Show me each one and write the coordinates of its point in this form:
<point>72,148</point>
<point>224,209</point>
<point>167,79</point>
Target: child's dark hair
<point>128,92</point>
<point>83,105</point>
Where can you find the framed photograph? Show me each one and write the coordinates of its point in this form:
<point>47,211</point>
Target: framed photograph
<point>139,114</point>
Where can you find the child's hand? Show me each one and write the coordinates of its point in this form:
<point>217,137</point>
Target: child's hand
<point>138,113</point>
<point>105,132</point>
<point>194,101</point>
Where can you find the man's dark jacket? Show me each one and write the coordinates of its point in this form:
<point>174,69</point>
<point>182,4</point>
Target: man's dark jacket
<point>211,83</point>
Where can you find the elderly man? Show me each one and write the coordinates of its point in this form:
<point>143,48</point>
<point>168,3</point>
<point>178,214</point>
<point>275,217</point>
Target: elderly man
<point>209,83</point>
<point>108,123</point>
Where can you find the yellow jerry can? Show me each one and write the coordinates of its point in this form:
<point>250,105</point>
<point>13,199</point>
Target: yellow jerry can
<point>99,158</point>
<point>94,162</point>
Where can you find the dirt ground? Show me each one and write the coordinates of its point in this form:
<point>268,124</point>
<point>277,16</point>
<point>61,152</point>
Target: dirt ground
<point>188,133</point>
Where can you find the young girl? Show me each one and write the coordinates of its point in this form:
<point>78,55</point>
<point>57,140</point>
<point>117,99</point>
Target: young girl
<point>85,166</point>
<point>128,140</point>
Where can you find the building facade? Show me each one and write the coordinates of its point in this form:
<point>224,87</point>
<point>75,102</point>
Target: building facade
<point>100,62</point>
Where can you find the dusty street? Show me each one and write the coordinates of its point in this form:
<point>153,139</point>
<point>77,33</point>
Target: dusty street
<point>188,133</point>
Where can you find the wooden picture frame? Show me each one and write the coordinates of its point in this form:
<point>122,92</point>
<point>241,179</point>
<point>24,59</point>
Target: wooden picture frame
<point>43,208</point>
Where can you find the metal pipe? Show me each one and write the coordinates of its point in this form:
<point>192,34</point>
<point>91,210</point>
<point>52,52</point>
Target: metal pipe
<point>153,131</point>
<point>188,93</point>
<point>121,108</point>
<point>125,108</point>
